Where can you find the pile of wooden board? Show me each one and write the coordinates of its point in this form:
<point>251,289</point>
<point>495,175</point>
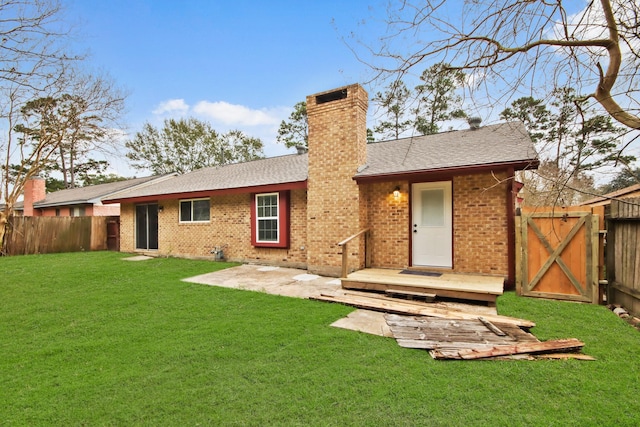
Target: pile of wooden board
<point>458,334</point>
<point>474,339</point>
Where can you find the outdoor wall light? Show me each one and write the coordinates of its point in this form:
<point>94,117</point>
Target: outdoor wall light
<point>396,192</point>
<point>160,208</point>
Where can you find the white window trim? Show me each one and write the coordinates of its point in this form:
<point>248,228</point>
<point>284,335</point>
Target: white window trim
<point>192,221</point>
<point>277,218</point>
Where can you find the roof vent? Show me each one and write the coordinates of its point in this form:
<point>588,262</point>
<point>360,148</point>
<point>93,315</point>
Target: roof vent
<point>301,149</point>
<point>474,122</point>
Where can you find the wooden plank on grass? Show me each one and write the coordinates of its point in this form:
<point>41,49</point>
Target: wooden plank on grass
<point>564,356</point>
<point>436,333</point>
<point>566,345</point>
<point>406,307</point>
<point>493,328</point>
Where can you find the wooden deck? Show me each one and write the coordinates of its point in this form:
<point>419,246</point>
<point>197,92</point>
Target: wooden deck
<point>448,285</point>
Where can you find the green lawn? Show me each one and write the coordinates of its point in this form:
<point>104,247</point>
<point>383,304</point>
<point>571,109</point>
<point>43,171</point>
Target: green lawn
<point>88,339</point>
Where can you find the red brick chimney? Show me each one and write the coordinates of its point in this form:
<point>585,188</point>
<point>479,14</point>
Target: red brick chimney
<point>34,191</point>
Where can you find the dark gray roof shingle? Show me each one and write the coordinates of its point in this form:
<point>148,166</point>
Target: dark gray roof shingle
<point>494,144</point>
<point>503,143</point>
<point>273,170</point>
<point>89,194</point>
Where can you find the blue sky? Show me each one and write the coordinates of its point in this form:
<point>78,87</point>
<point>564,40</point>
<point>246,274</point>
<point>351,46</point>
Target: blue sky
<point>237,64</point>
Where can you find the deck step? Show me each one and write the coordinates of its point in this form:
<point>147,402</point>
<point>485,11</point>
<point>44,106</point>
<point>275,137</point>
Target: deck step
<point>410,294</point>
<point>448,285</point>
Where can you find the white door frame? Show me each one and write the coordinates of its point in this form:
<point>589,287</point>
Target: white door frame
<point>432,224</point>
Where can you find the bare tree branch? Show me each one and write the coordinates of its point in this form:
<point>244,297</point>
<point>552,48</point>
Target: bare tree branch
<point>540,44</point>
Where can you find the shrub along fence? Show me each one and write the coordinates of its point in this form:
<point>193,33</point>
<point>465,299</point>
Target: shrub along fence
<point>623,256</point>
<point>40,235</point>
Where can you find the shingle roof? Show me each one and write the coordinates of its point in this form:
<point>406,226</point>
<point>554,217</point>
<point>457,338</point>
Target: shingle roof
<point>273,170</point>
<point>91,193</point>
<point>630,191</point>
<point>494,144</point>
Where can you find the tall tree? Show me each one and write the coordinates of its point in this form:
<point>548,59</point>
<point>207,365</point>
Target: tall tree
<point>590,46</point>
<point>33,58</point>
<point>625,178</point>
<point>184,145</point>
<point>533,113</point>
<point>437,98</point>
<point>294,132</point>
<point>395,105</point>
<point>93,106</point>
<point>572,140</point>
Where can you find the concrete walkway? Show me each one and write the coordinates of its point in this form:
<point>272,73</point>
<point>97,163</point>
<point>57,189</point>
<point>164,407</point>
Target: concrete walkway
<point>295,283</point>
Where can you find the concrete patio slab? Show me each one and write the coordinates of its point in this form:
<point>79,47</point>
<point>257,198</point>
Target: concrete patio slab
<point>367,321</point>
<point>298,283</point>
<point>137,258</point>
<point>289,282</point>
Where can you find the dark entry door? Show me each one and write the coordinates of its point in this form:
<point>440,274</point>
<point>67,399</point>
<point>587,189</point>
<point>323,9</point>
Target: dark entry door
<point>147,226</point>
<point>113,234</point>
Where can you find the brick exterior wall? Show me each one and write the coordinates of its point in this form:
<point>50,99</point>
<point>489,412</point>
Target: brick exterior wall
<point>337,147</point>
<point>480,232</point>
<point>335,207</point>
<point>127,227</point>
<point>229,226</point>
<point>388,219</point>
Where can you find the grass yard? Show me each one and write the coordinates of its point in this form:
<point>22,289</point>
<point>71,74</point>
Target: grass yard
<point>88,339</point>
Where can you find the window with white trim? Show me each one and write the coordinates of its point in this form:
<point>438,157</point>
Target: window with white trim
<point>195,210</point>
<point>267,218</point>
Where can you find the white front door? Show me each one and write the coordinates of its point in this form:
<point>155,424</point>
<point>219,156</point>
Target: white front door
<point>431,224</point>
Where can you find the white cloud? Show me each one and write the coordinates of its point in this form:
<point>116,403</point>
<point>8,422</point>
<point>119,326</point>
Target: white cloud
<point>174,106</point>
<point>259,123</point>
<point>237,115</point>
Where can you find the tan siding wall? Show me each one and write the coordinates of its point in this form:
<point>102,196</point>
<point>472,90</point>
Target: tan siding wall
<point>229,226</point>
<point>106,210</point>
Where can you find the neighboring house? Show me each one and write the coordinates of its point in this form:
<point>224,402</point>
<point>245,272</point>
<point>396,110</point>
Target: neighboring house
<point>81,201</point>
<point>444,201</point>
<point>605,199</point>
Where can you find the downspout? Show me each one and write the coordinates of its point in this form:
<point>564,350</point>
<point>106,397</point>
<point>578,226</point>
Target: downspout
<point>511,231</point>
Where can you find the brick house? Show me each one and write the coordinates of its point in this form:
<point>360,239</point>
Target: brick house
<point>81,201</point>
<point>442,201</point>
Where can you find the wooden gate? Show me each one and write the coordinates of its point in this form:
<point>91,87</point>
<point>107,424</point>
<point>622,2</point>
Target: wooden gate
<point>113,234</point>
<point>558,253</point>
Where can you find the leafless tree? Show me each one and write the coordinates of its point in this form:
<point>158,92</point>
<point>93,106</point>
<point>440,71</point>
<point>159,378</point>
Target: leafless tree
<point>520,44</point>
<point>49,110</point>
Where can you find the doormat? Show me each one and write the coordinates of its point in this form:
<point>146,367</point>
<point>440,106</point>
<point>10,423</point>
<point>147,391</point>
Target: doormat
<point>421,273</point>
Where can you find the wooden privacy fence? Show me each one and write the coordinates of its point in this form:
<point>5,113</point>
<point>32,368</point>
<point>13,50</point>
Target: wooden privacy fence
<point>40,235</point>
<point>559,253</point>
<point>623,256</point>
